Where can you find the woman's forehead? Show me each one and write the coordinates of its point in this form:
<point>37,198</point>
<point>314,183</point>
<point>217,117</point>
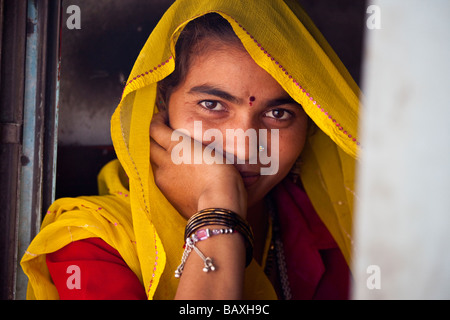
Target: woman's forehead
<point>233,70</point>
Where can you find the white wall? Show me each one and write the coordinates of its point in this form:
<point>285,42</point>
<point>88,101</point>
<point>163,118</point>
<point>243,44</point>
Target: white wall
<point>403,218</point>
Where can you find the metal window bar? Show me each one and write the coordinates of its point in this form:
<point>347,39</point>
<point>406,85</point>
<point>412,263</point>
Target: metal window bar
<point>29,87</point>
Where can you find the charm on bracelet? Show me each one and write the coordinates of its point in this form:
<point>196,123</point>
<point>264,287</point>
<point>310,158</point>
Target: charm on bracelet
<point>197,236</point>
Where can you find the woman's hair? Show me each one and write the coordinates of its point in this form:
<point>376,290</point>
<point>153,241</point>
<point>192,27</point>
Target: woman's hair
<point>190,44</point>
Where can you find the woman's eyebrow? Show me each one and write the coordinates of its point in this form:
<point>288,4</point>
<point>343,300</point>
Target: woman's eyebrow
<point>214,91</point>
<point>281,101</point>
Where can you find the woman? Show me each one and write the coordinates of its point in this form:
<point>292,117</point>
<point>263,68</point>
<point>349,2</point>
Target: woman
<point>249,67</point>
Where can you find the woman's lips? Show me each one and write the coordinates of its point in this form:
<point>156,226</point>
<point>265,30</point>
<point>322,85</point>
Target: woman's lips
<point>249,178</point>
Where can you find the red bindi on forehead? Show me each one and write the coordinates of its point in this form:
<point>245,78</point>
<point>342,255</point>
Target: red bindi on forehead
<point>251,100</point>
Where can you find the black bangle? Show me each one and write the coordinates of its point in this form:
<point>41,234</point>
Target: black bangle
<point>226,218</point>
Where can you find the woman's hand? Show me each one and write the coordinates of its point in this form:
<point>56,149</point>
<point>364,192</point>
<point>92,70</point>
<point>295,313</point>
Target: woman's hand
<point>193,187</point>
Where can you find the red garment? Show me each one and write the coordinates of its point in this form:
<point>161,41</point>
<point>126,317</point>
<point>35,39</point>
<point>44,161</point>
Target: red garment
<point>315,265</point>
<point>99,270</point>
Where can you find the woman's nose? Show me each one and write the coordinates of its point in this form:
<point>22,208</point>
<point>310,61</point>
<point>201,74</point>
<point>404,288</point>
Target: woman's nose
<point>242,140</point>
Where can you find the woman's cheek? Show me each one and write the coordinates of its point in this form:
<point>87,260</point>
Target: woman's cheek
<point>181,120</point>
<point>290,148</point>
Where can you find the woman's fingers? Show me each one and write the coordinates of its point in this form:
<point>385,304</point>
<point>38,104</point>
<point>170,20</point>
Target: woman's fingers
<point>159,131</point>
<point>167,138</point>
<point>157,154</point>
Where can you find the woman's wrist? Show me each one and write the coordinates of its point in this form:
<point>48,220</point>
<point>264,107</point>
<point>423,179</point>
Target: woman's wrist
<point>227,253</point>
<point>233,197</point>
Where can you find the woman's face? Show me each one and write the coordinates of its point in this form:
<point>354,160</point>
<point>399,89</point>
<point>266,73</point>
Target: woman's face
<point>225,89</point>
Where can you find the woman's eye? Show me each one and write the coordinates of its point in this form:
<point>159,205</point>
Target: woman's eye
<point>279,114</point>
<point>212,105</point>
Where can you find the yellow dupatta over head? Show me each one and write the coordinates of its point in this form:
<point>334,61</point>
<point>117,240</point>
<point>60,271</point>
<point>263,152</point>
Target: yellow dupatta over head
<point>133,216</point>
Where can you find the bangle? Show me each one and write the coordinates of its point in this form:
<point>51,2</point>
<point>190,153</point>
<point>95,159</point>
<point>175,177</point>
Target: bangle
<point>214,216</point>
<point>199,235</point>
<point>226,218</point>
<point>204,234</point>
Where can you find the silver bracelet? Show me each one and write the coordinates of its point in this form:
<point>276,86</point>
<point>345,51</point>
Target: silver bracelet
<point>197,236</point>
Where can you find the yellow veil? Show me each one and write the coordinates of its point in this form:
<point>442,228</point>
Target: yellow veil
<point>133,216</point>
